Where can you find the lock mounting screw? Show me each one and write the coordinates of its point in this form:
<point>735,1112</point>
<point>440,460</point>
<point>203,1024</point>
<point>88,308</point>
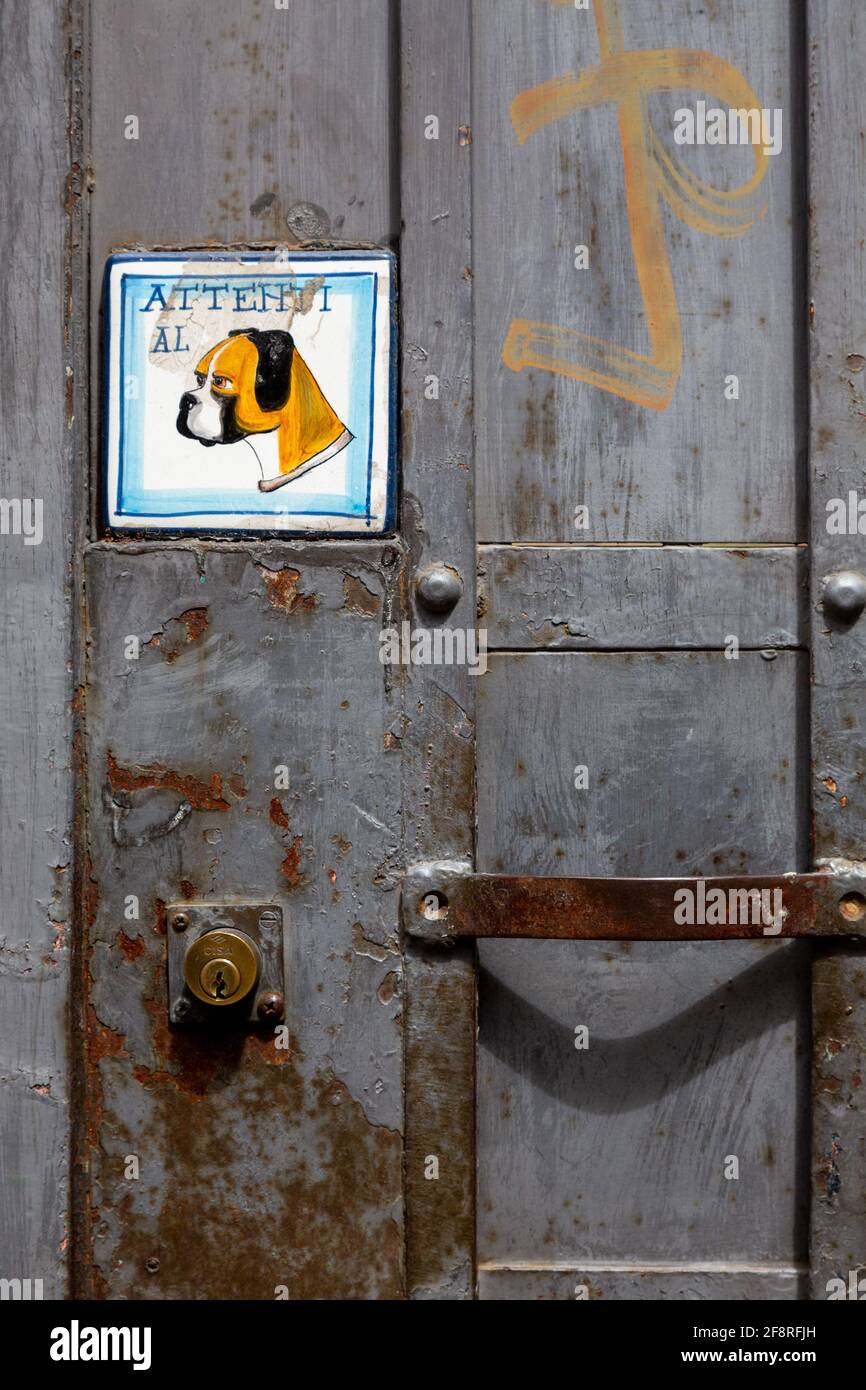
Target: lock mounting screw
<point>270,1006</point>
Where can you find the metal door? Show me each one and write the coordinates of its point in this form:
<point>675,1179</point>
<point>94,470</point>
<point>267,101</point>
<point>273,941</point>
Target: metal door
<point>628,484</point>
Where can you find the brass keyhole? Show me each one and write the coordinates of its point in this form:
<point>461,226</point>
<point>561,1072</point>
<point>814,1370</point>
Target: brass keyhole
<point>220,978</point>
<point>222,966</point>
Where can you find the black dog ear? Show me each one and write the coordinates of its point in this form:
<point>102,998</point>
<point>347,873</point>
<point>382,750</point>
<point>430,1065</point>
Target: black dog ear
<point>273,373</point>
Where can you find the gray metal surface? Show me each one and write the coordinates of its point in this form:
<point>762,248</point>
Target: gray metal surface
<point>837,41</point>
<point>838,1234</point>
<point>679,1283</point>
<point>437,736</point>
<point>696,1052</point>
<point>35,650</point>
<point>272,126</point>
<point>604,1166</point>
<point>704,469</point>
<point>285,1163</point>
<point>601,597</point>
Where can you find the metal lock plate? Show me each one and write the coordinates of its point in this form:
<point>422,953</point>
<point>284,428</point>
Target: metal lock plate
<point>225,960</point>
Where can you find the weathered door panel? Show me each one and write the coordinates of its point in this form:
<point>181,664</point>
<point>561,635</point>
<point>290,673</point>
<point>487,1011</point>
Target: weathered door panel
<point>36,682</point>
<point>608,1164</point>
<point>259,1166</point>
<point>837,311</point>
<point>241,739</point>
<point>549,178</point>
<point>616,1153</point>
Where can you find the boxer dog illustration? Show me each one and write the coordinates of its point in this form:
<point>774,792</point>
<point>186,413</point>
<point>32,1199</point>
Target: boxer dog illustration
<point>253,382</point>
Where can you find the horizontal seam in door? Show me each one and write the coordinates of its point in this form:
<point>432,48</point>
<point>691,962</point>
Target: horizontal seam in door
<point>632,1267</point>
<point>628,651</point>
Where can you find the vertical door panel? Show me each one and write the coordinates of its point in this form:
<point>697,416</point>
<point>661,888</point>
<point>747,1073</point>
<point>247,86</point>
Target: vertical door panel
<point>608,1164</point>
<point>261,1168</point>
<point>36,521</point>
<point>698,1051</point>
<point>260,1165</point>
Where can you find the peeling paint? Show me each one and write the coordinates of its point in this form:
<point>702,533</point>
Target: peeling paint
<point>201,795</point>
<point>283,591</point>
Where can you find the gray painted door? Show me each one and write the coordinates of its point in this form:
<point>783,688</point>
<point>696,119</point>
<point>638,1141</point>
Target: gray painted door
<point>630,375</point>
<point>643,1109</point>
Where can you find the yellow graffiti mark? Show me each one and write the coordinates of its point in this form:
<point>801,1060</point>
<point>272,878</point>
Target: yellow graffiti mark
<point>652,174</point>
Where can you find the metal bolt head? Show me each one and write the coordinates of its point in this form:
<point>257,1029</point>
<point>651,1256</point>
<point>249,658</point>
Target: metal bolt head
<point>152,1265</point>
<point>438,588</point>
<point>852,906</point>
<point>844,595</point>
<point>180,921</point>
<point>180,1009</point>
<point>270,1006</point>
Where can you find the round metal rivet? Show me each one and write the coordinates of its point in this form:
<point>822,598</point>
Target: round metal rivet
<point>852,906</point>
<point>434,906</point>
<point>270,1006</point>
<point>438,588</point>
<point>844,595</point>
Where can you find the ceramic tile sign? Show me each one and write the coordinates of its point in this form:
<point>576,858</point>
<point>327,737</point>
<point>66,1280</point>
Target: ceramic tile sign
<point>250,392</point>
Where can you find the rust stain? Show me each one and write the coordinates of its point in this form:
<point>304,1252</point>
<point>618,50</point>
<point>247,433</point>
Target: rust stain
<point>358,598</point>
<point>91,892</point>
<point>539,432</point>
<point>388,988</point>
<point>329,1232</point>
<point>200,795</point>
<point>236,782</point>
<point>363,946</point>
<point>825,436</point>
<point>187,889</point>
<point>179,632</point>
<point>283,592</point>
<point>195,620</point>
<point>131,946</point>
<point>191,1067</point>
<point>290,866</point>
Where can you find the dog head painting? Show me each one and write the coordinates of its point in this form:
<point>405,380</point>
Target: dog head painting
<point>253,382</point>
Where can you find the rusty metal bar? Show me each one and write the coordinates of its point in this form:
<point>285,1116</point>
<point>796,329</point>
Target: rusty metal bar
<point>443,904</point>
